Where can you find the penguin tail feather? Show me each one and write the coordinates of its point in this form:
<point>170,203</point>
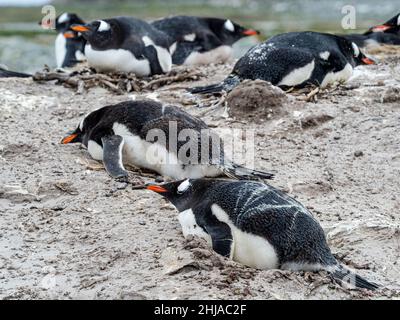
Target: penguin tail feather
<point>236,171</point>
<point>227,85</point>
<point>4,73</point>
<point>346,277</point>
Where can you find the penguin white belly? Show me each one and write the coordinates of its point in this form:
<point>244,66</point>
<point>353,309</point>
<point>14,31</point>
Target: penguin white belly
<point>61,49</point>
<point>116,60</point>
<point>298,76</point>
<point>190,227</point>
<point>95,150</point>
<point>220,54</point>
<point>79,56</point>
<point>342,75</point>
<point>156,157</point>
<point>249,249</point>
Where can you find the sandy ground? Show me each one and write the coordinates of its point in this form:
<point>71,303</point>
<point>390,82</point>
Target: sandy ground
<point>68,231</point>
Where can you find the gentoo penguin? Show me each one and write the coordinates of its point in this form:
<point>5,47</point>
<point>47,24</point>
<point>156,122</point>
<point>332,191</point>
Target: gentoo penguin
<point>69,44</point>
<point>126,44</point>
<point>387,33</point>
<point>295,59</point>
<point>199,40</point>
<point>155,136</point>
<point>391,26</point>
<point>256,225</point>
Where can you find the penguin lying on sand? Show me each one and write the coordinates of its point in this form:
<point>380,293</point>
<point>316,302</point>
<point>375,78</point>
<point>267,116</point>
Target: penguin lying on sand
<point>69,45</point>
<point>295,59</point>
<point>256,225</point>
<point>125,133</point>
<point>387,33</point>
<point>126,44</point>
<point>199,40</point>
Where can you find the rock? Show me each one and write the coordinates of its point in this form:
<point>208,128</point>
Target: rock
<point>358,154</point>
<point>256,100</point>
<point>174,261</point>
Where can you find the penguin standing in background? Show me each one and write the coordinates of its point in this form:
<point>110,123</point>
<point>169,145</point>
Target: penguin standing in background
<point>125,44</point>
<point>256,225</point>
<point>162,138</point>
<point>295,59</point>
<point>199,40</point>
<point>69,44</point>
<point>387,33</point>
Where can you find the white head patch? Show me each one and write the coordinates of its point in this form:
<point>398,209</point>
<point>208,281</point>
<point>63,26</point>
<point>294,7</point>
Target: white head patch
<point>81,124</point>
<point>184,186</point>
<point>189,37</point>
<point>398,20</point>
<point>355,49</point>
<point>229,26</point>
<point>325,55</point>
<point>104,26</point>
<point>63,18</point>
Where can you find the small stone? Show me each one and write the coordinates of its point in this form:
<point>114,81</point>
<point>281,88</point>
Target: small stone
<point>358,153</point>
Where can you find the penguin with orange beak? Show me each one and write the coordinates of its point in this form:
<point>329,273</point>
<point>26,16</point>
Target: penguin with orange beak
<point>200,40</point>
<point>69,44</point>
<point>159,137</point>
<point>295,59</point>
<point>386,33</point>
<point>125,44</point>
<point>391,26</point>
<point>255,224</point>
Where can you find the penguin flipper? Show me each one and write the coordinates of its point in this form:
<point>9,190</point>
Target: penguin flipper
<point>112,156</point>
<point>152,57</point>
<point>220,233</point>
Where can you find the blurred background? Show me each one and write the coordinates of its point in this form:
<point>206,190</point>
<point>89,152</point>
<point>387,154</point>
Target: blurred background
<point>24,46</point>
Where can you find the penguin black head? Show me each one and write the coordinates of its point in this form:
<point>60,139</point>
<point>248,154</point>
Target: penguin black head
<point>229,32</point>
<point>390,26</point>
<point>80,134</point>
<point>101,34</point>
<point>353,53</point>
<point>66,20</point>
<point>183,193</point>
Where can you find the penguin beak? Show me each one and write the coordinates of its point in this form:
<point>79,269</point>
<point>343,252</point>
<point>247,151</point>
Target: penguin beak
<point>80,28</point>
<point>250,32</point>
<point>367,60</point>
<point>156,188</point>
<point>381,28</point>
<point>69,35</point>
<point>70,138</point>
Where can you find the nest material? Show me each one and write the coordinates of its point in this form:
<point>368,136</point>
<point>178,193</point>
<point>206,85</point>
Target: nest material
<point>118,83</point>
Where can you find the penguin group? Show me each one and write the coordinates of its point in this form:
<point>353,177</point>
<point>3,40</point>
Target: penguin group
<point>229,205</point>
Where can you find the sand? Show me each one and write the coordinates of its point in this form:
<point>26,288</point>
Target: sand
<point>68,231</point>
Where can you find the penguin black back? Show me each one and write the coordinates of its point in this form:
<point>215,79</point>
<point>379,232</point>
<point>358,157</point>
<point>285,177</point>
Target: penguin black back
<point>255,224</point>
<point>192,35</point>
<point>132,130</point>
<point>295,59</point>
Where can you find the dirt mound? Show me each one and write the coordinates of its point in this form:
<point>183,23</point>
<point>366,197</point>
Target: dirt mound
<point>256,100</point>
